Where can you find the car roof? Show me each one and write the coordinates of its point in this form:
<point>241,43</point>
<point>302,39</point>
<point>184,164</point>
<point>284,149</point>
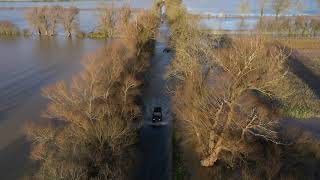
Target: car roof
<point>157,109</point>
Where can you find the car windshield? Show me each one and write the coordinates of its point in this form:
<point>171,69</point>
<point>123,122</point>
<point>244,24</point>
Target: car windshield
<point>157,113</point>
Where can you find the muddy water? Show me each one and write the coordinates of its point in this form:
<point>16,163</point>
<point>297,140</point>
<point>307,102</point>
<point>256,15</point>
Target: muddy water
<point>26,66</point>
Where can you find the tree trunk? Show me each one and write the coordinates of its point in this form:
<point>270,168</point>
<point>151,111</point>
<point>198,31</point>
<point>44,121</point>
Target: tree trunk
<point>216,148</point>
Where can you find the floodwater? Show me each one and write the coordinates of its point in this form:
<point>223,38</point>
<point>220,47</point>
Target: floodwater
<point>155,139</point>
<point>26,66</point>
<point>87,15</point>
<point>231,8</point>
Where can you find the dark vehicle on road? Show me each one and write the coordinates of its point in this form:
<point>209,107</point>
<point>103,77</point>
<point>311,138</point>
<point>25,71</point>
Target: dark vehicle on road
<point>157,115</point>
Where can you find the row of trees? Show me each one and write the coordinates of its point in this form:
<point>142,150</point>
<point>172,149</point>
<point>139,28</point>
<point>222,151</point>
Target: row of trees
<point>300,25</point>
<point>44,20</point>
<point>278,6</point>
<point>227,96</point>
<point>94,121</point>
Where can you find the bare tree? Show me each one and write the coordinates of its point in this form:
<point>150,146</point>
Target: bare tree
<point>43,19</point>
<point>280,6</point>
<point>262,6</point>
<point>53,14</point>
<point>244,8</point>
<point>216,92</point>
<point>35,17</point>
<point>107,21</point>
<point>69,19</point>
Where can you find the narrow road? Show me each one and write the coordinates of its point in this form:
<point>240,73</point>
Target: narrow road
<point>155,141</point>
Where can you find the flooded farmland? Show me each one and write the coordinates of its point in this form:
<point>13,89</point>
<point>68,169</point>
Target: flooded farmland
<point>29,64</point>
<point>26,66</point>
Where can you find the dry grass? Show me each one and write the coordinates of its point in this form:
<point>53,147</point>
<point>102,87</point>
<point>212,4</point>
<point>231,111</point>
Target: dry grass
<point>301,44</point>
<point>305,103</point>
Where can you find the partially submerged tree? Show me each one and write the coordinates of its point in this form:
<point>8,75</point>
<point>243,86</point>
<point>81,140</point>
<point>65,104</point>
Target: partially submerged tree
<point>53,14</point>
<point>45,19</point>
<point>35,17</point>
<point>107,21</point>
<point>69,20</point>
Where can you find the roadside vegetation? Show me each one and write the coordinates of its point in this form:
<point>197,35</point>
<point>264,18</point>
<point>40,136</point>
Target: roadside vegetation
<point>230,97</point>
<point>94,121</point>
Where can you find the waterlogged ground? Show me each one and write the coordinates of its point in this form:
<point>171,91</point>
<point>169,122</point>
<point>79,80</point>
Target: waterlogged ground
<point>26,66</point>
<point>231,8</point>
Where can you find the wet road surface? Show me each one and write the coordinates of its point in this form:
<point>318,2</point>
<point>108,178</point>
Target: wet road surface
<point>155,141</point>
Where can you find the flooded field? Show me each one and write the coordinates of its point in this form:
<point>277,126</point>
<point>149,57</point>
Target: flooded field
<point>232,8</point>
<point>26,66</point>
<point>29,64</point>
<point>14,12</point>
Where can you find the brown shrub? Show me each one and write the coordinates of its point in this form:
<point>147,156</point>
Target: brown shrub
<point>107,21</point>
<point>8,29</point>
<point>97,114</point>
<point>94,117</point>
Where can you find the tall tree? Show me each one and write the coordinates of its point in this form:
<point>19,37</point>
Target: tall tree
<point>244,9</point>
<point>262,6</point>
<point>280,6</point>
